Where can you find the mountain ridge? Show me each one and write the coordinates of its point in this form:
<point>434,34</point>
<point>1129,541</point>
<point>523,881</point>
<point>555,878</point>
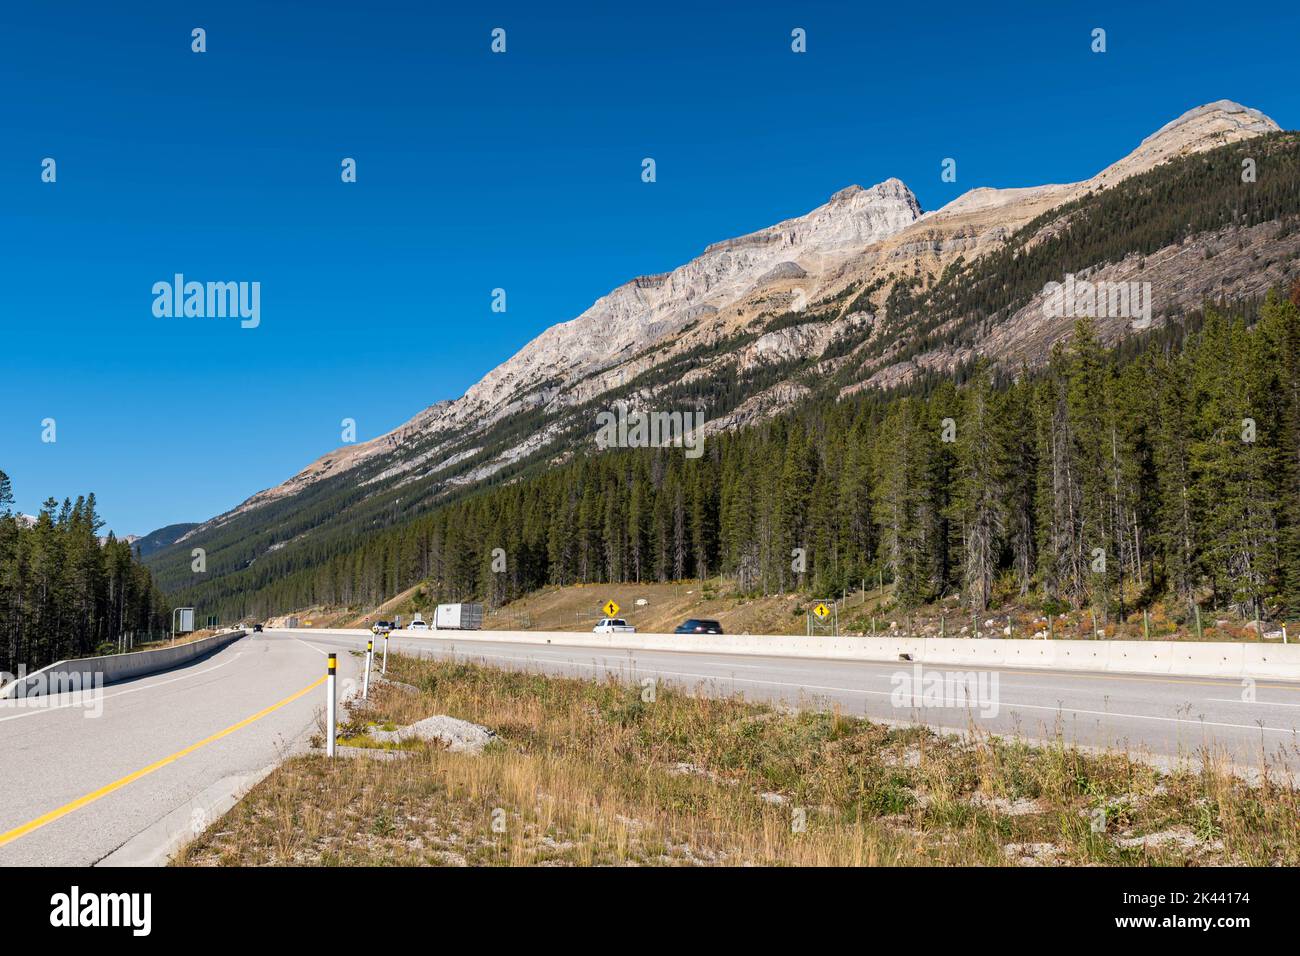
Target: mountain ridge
<point>816,266</point>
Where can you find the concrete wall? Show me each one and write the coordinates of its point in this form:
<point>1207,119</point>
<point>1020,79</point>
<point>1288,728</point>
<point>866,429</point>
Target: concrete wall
<point>115,667</point>
<point>1184,658</point>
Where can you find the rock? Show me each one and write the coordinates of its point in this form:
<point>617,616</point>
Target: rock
<point>783,270</point>
<point>460,736</point>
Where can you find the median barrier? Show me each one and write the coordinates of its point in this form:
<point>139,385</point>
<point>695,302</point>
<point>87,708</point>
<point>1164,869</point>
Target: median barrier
<point>80,672</point>
<point>1208,659</point>
<point>1182,658</point>
<point>1147,657</point>
<point>1278,661</point>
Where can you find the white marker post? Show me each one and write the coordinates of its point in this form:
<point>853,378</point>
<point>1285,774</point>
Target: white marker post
<point>385,670</point>
<point>365,683</point>
<point>331,708</point>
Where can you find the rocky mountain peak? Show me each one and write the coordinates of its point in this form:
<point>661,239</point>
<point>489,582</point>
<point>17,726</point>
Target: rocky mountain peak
<point>859,235</point>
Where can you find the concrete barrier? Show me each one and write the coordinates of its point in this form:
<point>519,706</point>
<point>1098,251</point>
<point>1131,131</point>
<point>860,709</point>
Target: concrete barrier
<point>80,672</point>
<point>1180,658</point>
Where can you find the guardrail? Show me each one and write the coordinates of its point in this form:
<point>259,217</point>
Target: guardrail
<point>113,667</point>
<point>1181,658</point>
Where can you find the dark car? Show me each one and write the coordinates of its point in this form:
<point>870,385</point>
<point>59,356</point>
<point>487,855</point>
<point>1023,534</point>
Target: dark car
<point>257,628</point>
<point>698,626</point>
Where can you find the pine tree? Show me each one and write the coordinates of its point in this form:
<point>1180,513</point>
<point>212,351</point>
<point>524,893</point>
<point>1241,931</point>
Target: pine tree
<point>979,496</point>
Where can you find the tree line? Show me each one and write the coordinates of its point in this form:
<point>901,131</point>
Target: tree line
<point>1110,478</point>
<point>63,593</point>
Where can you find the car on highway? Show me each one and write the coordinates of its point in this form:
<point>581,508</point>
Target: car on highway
<point>380,626</point>
<point>418,625</point>
<point>257,628</point>
<point>698,626</point>
<point>613,625</point>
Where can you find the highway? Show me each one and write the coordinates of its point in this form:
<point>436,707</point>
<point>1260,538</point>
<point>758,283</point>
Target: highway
<point>1158,718</point>
<point>81,789</point>
<point>77,787</point>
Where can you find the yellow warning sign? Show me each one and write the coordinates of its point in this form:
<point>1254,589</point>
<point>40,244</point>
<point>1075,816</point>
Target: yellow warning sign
<point>821,610</point>
<point>610,608</point>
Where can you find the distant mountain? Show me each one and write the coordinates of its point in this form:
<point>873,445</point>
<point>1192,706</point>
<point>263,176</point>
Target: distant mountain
<point>865,291</point>
<point>861,238</point>
<point>157,540</point>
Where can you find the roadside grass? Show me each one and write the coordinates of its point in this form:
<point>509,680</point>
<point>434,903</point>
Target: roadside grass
<point>589,773</point>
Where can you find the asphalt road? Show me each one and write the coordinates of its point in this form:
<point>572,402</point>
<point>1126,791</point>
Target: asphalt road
<point>1161,719</point>
<point>83,778</point>
<point>91,772</point>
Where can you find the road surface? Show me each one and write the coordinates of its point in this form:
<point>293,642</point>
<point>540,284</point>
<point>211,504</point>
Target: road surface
<point>77,788</point>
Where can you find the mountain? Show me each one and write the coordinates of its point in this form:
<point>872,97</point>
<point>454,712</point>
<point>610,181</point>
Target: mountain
<point>162,538</point>
<point>858,237</point>
<point>865,291</point>
<point>575,361</point>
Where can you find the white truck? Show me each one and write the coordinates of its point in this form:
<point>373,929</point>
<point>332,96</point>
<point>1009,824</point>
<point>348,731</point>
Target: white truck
<point>613,625</point>
<point>458,617</point>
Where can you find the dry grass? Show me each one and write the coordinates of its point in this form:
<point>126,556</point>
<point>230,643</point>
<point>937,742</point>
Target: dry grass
<point>578,607</point>
<point>588,773</point>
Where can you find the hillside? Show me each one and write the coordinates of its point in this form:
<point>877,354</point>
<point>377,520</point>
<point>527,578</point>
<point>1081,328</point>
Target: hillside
<point>163,537</point>
<point>1193,230</point>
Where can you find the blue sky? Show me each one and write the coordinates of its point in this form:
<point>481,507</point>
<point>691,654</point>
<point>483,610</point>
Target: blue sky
<point>478,171</point>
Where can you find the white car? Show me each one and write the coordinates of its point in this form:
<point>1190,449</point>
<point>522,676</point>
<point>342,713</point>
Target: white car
<point>418,626</point>
<point>613,625</point>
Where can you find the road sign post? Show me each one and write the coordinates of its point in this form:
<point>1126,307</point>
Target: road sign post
<point>365,681</point>
<point>385,668</point>
<point>611,608</point>
<point>331,707</point>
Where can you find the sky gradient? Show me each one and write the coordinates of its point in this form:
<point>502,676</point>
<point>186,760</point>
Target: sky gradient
<point>478,171</point>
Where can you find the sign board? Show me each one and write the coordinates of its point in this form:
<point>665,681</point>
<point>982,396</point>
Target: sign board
<point>186,615</point>
<point>822,611</point>
<point>610,609</point>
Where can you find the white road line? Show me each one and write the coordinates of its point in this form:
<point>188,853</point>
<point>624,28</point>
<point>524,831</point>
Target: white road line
<point>42,709</point>
<point>1233,700</point>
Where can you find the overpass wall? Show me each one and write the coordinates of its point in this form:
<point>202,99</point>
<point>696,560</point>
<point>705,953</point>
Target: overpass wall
<point>114,667</point>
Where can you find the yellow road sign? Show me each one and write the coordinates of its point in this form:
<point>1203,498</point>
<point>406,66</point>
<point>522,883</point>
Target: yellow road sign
<point>610,608</point>
<point>821,610</point>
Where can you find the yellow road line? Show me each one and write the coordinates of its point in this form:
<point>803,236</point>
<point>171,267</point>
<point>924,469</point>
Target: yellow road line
<point>105,790</point>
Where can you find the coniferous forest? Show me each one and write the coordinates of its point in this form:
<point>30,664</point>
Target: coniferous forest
<point>63,593</point>
<point>1166,470</point>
